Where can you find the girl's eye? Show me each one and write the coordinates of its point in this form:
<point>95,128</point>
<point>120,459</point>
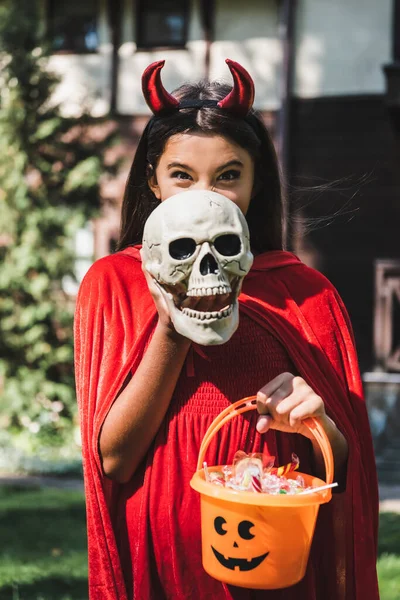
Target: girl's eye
<point>180,175</point>
<point>229,175</point>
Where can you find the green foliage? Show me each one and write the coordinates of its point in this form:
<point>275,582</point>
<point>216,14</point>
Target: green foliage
<point>389,576</point>
<point>389,556</point>
<point>50,169</point>
<point>43,555</point>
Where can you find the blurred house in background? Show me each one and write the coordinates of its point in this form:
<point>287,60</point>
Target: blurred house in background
<point>327,79</point>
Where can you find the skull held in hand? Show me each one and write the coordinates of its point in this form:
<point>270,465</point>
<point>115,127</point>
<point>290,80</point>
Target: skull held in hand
<point>196,246</point>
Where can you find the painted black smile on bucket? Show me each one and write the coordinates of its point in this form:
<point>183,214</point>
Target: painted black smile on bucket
<point>241,563</point>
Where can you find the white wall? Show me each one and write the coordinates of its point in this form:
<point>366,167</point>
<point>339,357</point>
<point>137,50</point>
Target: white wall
<point>341,46</point>
<point>249,34</point>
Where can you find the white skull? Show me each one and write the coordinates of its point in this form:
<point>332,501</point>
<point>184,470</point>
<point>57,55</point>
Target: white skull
<point>196,246</point>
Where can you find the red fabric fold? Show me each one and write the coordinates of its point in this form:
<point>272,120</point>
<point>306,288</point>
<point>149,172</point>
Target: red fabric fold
<point>115,318</point>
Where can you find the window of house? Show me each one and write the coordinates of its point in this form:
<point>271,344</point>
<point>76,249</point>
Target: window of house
<point>162,23</point>
<point>72,25</point>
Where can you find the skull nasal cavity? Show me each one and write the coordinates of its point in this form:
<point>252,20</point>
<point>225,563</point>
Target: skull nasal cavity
<point>208,265</point>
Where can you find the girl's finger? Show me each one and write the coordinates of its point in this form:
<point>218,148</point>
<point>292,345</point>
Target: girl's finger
<point>262,408</point>
<point>264,423</point>
<point>284,392</point>
<point>290,402</point>
<point>312,407</point>
<point>271,387</point>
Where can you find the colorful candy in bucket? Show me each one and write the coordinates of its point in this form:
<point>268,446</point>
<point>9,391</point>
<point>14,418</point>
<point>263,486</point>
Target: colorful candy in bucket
<point>253,538</point>
<point>255,472</point>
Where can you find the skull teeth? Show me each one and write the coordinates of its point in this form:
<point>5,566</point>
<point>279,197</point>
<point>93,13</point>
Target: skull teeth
<point>209,291</point>
<point>206,316</point>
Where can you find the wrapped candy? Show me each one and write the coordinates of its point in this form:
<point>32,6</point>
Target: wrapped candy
<point>218,478</point>
<point>256,485</point>
<point>292,466</point>
<point>256,473</point>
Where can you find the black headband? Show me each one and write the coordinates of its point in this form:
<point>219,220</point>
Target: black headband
<point>197,104</point>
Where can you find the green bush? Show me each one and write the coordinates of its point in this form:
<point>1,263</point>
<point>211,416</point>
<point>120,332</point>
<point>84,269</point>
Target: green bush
<point>50,171</point>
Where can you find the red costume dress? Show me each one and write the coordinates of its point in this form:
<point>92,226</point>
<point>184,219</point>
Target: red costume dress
<point>144,536</point>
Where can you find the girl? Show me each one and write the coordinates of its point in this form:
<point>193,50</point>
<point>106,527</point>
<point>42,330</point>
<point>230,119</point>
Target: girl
<point>147,395</point>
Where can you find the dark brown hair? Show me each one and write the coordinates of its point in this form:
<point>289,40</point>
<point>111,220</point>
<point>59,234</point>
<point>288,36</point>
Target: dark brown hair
<point>265,215</point>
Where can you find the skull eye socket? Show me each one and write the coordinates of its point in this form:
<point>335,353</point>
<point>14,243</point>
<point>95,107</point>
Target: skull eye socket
<point>218,523</point>
<point>244,530</point>
<point>228,244</point>
<point>182,248</point>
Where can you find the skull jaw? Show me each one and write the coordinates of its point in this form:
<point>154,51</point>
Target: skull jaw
<point>207,332</point>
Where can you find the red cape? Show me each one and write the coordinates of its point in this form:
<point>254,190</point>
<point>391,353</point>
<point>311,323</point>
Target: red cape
<point>115,317</point>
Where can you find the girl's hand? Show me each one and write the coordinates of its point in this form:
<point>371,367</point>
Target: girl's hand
<point>285,402</point>
<point>161,301</point>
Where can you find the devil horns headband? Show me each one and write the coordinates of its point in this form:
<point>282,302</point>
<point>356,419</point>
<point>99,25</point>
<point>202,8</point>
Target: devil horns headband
<point>238,102</point>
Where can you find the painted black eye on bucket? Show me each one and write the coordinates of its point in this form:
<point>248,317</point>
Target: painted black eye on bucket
<point>228,244</point>
<point>218,523</point>
<point>182,248</point>
<point>244,530</point>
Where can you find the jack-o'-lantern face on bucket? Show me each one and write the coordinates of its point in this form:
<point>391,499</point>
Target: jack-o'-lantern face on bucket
<point>252,545</point>
<point>234,550</point>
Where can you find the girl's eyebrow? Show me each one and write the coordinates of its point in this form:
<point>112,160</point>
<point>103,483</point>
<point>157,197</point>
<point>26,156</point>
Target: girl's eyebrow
<point>231,163</point>
<point>177,165</point>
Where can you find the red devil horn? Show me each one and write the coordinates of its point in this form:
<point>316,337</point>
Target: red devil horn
<point>240,100</point>
<point>155,94</point>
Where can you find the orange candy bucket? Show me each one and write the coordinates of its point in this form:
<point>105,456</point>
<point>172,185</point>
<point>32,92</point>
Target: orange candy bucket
<point>258,540</point>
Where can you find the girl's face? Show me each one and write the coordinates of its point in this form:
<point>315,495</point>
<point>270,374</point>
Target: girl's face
<point>204,162</point>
